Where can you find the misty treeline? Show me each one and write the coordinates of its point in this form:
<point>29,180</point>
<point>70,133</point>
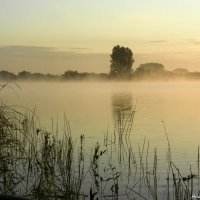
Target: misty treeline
<point>68,75</point>
<point>121,68</point>
<point>121,61</point>
<point>148,71</point>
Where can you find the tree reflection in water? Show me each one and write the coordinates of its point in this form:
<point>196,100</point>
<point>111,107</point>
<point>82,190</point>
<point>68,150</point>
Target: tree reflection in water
<point>123,114</point>
<point>122,102</point>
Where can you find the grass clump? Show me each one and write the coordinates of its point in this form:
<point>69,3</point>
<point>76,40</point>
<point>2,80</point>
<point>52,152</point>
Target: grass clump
<point>34,162</point>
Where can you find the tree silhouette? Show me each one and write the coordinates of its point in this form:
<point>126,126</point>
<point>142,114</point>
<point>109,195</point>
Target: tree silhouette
<point>5,75</point>
<point>150,70</point>
<point>70,74</point>
<point>121,61</point>
<point>24,75</point>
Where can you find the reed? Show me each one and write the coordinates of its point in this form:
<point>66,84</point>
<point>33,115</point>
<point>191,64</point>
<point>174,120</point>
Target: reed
<point>35,163</point>
<point>38,164</point>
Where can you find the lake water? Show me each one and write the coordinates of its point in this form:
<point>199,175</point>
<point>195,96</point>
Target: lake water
<point>92,107</point>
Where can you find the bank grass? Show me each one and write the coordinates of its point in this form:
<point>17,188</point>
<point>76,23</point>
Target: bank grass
<point>35,163</point>
<point>39,164</point>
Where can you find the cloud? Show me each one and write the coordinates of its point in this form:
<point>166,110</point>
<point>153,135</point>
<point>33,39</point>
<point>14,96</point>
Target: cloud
<point>195,42</point>
<point>32,51</point>
<point>80,48</point>
<point>35,48</point>
<point>192,41</point>
<point>24,49</point>
<point>51,52</point>
<point>38,53</point>
<point>50,60</point>
<point>158,41</point>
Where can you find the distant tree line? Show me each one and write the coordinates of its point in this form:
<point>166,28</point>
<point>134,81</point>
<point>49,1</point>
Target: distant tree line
<point>25,75</point>
<point>68,75</point>
<point>121,68</point>
<point>121,61</point>
<point>147,71</point>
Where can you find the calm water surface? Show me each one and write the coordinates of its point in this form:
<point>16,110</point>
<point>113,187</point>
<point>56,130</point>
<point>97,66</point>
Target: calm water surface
<point>91,109</point>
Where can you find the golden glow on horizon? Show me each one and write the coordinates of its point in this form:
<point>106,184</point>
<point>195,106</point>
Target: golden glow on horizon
<point>147,27</point>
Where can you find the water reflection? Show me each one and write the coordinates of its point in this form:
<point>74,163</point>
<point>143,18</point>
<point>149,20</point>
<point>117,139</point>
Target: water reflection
<point>123,113</point>
<point>122,105</point>
<point>121,102</point>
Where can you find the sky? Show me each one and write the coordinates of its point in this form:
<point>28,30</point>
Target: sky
<point>52,36</point>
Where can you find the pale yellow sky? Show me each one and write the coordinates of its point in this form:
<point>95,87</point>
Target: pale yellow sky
<point>155,30</point>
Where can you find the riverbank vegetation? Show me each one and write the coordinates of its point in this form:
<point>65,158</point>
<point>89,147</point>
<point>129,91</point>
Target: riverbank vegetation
<point>42,164</point>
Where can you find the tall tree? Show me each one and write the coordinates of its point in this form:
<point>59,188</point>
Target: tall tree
<point>121,61</point>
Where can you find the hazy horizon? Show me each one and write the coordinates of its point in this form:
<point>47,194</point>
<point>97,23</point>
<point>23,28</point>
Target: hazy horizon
<point>50,60</point>
<point>52,36</point>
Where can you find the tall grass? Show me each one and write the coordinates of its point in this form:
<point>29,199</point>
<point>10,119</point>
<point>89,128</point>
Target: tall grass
<point>41,165</point>
<point>35,163</point>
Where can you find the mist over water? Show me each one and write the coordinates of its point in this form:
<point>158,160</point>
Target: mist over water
<point>92,109</point>
<point>92,106</point>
